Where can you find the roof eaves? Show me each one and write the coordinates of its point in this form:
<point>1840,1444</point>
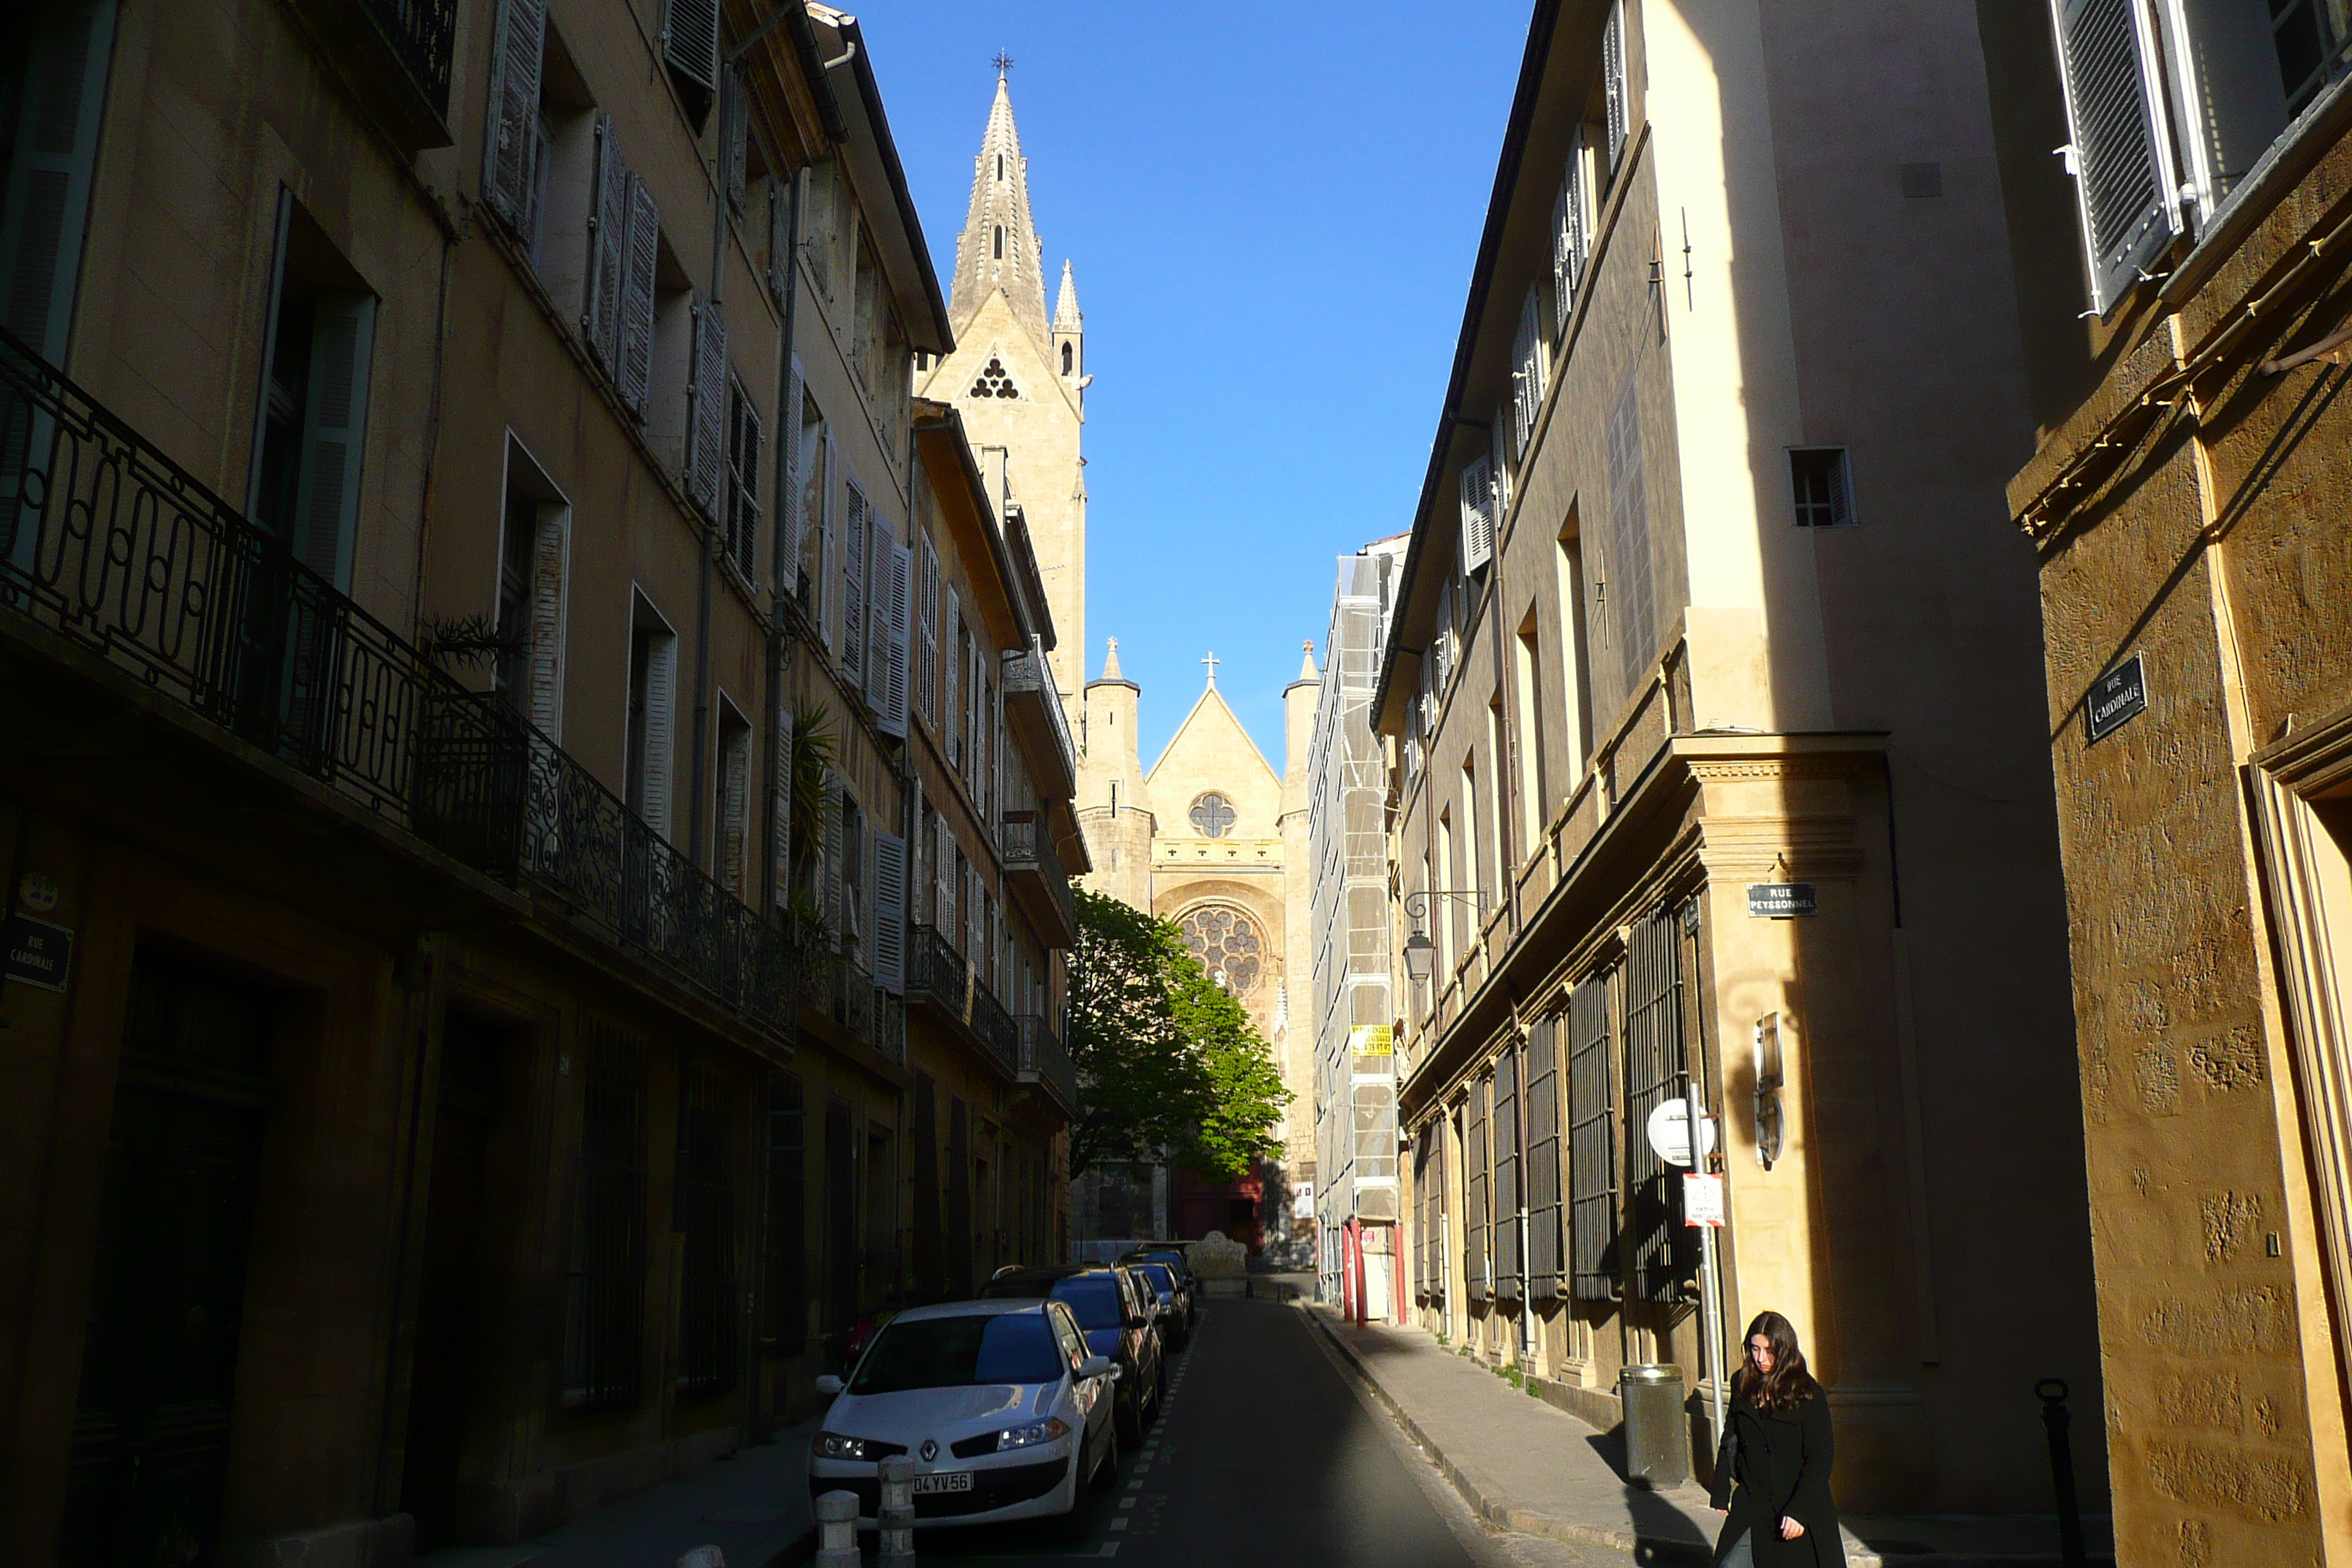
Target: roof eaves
<point>940,337</point>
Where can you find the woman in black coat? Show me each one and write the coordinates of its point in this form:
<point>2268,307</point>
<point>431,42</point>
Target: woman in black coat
<point>1779,1447</point>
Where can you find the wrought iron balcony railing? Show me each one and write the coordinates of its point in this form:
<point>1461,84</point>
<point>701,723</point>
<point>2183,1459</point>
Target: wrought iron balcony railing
<point>1034,707</point>
<point>1028,847</point>
<point>1046,1060</point>
<point>108,544</point>
<point>844,990</point>
<point>423,35</point>
<point>937,974</point>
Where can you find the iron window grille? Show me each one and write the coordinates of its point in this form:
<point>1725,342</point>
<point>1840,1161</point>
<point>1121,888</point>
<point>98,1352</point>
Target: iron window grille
<point>1543,1158</point>
<point>1592,1142</point>
<point>605,1289</point>
<point>1660,1252</point>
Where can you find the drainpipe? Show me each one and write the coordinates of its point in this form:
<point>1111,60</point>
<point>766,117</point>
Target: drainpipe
<point>730,104</point>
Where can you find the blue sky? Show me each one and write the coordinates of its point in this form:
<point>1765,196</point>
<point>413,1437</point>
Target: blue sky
<point>1273,211</point>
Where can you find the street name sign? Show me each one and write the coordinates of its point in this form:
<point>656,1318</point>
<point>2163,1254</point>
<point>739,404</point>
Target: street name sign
<point>2116,698</point>
<point>1781,900</point>
<point>36,952</point>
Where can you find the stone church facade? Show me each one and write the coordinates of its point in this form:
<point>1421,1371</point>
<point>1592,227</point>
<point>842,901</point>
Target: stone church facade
<point>1212,837</point>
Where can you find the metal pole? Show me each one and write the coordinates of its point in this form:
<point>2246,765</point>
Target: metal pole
<point>1710,1287</point>
<point>2052,1391</point>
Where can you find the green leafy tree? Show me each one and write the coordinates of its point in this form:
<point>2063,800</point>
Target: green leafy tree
<point>1168,1060</point>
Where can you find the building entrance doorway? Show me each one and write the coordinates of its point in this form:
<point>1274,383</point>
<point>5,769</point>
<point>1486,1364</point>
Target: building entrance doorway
<point>159,1362</point>
<point>446,1380</point>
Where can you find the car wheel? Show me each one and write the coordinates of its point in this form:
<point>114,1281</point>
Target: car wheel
<point>1073,1526</point>
<point>1107,1467</point>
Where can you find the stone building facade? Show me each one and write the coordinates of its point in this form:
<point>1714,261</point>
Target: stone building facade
<point>456,632</point>
<point>2185,500</point>
<point>1719,772</point>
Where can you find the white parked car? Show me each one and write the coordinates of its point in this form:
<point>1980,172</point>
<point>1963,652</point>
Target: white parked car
<point>1005,1412</point>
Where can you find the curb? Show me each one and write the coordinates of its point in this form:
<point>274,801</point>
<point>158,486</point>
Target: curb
<point>1491,1503</point>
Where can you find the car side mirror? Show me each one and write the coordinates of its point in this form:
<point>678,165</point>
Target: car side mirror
<point>828,1383</point>
<point>1097,1366</point>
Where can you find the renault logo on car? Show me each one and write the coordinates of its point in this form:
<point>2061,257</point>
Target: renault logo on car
<point>930,1450</point>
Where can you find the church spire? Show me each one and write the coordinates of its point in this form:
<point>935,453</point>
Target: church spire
<point>1066,317</point>
<point>998,247</point>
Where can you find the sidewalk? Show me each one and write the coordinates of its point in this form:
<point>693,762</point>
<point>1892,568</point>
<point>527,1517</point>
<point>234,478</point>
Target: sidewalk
<point>1525,1466</point>
<point>753,1506</point>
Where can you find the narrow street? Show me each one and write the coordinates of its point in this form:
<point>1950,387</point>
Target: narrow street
<point>1267,1455</point>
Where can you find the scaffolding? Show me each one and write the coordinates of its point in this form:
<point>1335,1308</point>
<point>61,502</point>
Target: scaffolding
<point>1355,1064</point>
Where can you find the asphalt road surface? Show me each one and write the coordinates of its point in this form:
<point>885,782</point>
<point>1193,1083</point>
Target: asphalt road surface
<point>1267,1454</point>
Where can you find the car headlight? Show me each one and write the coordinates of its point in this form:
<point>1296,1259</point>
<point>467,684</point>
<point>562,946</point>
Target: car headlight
<point>834,1446</point>
<point>1034,1433</point>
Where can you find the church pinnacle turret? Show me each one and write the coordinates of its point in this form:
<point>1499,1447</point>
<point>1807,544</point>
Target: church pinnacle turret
<point>998,247</point>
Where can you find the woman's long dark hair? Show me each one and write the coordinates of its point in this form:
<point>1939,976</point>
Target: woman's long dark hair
<point>1788,1383</point>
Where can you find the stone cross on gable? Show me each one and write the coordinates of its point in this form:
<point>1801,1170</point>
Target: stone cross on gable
<point>1212,661</point>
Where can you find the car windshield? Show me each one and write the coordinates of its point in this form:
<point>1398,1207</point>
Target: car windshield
<point>1095,1298</point>
<point>1161,1280</point>
<point>954,1352</point>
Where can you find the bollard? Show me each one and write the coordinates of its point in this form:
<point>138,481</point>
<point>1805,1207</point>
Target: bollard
<point>2052,1391</point>
<point>896,1514</point>
<point>836,1530</point>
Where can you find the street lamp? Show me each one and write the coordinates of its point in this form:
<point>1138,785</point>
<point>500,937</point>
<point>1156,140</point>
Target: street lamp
<point>1420,953</point>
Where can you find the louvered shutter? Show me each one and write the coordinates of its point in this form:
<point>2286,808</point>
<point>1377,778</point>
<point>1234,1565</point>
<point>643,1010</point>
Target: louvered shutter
<point>1473,1186</point>
<point>927,661</point>
<point>951,718</point>
<point>1527,372</point>
<point>855,543</point>
<point>780,815</point>
<point>608,249</point>
<point>1543,1158</point>
<point>788,491</point>
<point>334,431</point>
<point>891,913</point>
<point>2125,188</point>
<point>46,198</point>
<point>744,437</point>
<point>548,569</point>
<point>638,298</point>
<point>690,41</point>
<point>867,905</point>
<point>1571,215</point>
<point>835,802</point>
<point>661,731</point>
<point>901,606</point>
<point>1613,76</point>
<point>706,424</point>
<point>943,863</point>
<point>877,611</point>
<point>1498,439</point>
<point>1477,513</point>
<point>829,565</point>
<point>510,139</point>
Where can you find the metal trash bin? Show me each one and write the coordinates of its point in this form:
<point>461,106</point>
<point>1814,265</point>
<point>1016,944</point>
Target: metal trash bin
<point>1657,1436</point>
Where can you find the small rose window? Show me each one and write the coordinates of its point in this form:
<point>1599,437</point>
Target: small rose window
<point>1212,816</point>
<point>1226,943</point>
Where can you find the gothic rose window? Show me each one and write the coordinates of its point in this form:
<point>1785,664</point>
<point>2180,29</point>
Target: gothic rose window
<point>1226,943</point>
<point>994,383</point>
<point>1212,816</point>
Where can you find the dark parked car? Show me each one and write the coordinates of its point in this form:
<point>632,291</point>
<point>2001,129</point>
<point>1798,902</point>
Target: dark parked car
<point>1175,1311</point>
<point>1113,1308</point>
<point>1187,1294</point>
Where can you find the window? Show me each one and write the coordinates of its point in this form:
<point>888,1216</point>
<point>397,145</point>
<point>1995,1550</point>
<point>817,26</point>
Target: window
<point>1543,1158</point>
<point>652,716</point>
<point>1477,513</point>
<point>927,613</point>
<point>1613,86</point>
<point>741,506</point>
<point>1528,736</point>
<point>1000,169</point>
<point>623,271</point>
<point>1212,816</point>
<point>1527,380</point>
<point>1571,218</point>
<point>1593,1142</point>
<point>814,471</point>
<point>1471,846</point>
<point>1823,489</point>
<point>1503,1122</point>
<point>320,342</point>
<point>1575,645</point>
<point>1477,1219</point>
<point>703,1216</point>
<point>1445,912</point>
<point>1000,242</point>
<point>1659,1254</point>
<point>47,158</point>
<point>1069,355</point>
<point>993,382</point>
<point>534,555</point>
<point>1226,943</point>
<point>604,1328</point>
<point>857,545</point>
<point>732,809</point>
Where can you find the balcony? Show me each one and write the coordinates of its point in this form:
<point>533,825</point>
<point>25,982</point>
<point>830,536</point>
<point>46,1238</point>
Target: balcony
<point>1038,879</point>
<point>1032,707</point>
<point>838,987</point>
<point>938,978</point>
<point>109,550</point>
<point>1045,1061</point>
<point>396,58</point>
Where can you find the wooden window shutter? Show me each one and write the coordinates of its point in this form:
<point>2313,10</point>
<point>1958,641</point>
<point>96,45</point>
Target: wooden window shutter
<point>789,518</point>
<point>943,890</point>
<point>1612,79</point>
<point>1499,439</point>
<point>48,179</point>
<point>1477,513</point>
<point>900,600</point>
<point>855,543</point>
<point>2125,188</point>
<point>1528,377</point>
<point>927,663</point>
<point>638,298</point>
<point>829,561</point>
<point>735,813</point>
<point>779,817</point>
<point>952,719</point>
<point>877,611</point>
<point>661,731</point>
<point>744,435</point>
<point>510,139</point>
<point>705,428</point>
<point>890,912</point>
<point>836,805</point>
<point>550,566</point>
<point>608,249</point>
<point>334,432</point>
<point>690,41</point>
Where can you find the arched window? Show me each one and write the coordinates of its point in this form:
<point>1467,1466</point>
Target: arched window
<point>1065,359</point>
<point>1227,943</point>
<point>1000,242</point>
<point>999,165</point>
